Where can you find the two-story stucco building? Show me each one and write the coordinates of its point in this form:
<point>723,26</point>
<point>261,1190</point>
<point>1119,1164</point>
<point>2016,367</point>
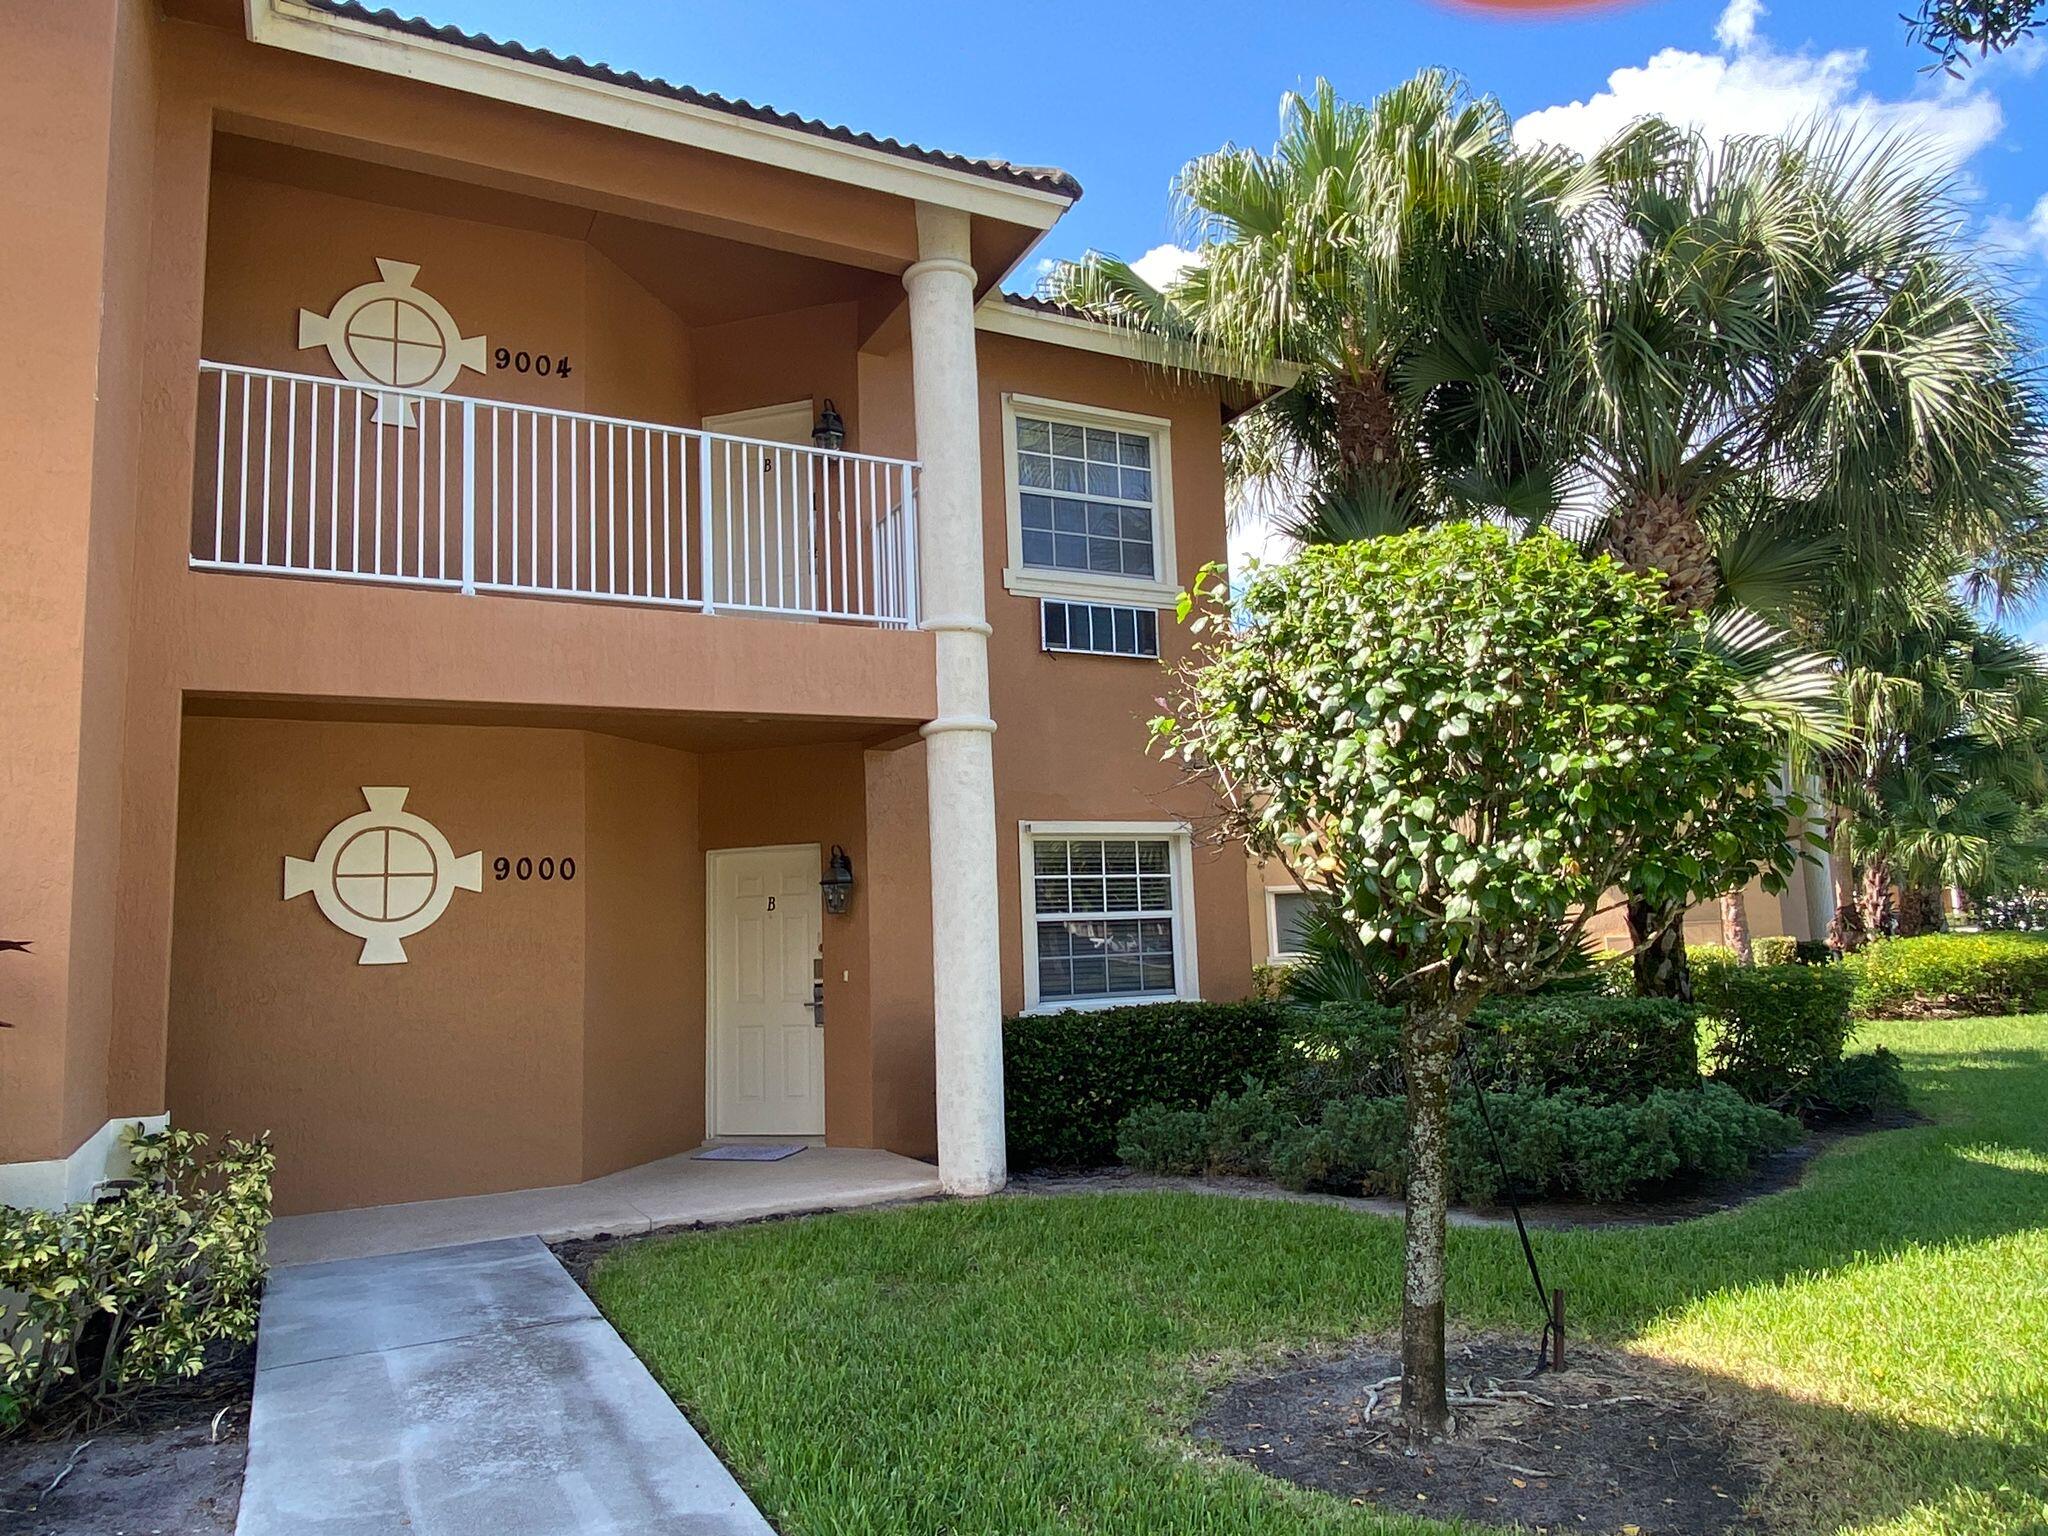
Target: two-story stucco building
<point>551,617</point>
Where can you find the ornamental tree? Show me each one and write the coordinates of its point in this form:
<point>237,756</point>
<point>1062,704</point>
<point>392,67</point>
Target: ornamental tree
<point>1461,742</point>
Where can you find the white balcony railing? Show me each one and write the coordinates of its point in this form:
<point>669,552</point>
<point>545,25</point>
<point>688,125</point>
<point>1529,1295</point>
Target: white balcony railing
<point>305,476</point>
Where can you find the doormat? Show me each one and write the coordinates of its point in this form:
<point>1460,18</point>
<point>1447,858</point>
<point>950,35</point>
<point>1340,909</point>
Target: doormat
<point>748,1154</point>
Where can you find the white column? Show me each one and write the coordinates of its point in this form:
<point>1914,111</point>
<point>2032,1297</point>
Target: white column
<point>967,1003</point>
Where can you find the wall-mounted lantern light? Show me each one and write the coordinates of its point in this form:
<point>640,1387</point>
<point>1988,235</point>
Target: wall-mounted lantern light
<point>838,882</point>
<point>830,434</point>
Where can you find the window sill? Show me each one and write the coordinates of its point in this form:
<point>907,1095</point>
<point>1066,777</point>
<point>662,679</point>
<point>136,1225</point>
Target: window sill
<point>1081,587</point>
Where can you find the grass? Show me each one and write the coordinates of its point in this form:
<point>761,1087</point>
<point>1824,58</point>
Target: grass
<point>1024,1364</point>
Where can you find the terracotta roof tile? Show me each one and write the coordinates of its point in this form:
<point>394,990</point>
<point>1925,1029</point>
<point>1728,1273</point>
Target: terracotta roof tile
<point>1039,177</point>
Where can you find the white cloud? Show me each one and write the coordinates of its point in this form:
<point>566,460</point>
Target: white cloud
<point>1162,264</point>
<point>1736,29</point>
<point>1748,86</point>
<point>2022,237</point>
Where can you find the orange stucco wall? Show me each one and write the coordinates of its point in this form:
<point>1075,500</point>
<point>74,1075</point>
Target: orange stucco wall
<point>78,97</point>
<point>1071,737</point>
<point>178,193</point>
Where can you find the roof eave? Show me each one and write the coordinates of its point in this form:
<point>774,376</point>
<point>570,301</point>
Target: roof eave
<point>1003,315</point>
<point>302,28</point>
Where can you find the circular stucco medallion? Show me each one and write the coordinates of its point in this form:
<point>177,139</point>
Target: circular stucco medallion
<point>383,875</point>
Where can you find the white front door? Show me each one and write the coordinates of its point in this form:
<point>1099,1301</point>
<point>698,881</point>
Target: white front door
<point>761,532</point>
<point>767,1041</point>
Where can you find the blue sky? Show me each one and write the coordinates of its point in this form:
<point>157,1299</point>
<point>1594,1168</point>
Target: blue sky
<point>1122,97</point>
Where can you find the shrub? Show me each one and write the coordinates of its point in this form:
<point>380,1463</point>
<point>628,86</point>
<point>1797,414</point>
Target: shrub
<point>1961,973</point>
<point>1165,1138</point>
<point>1772,1026</point>
<point>1269,980</point>
<point>1566,1145</point>
<point>1610,1047</point>
<point>1070,1078</point>
<point>1865,1086</point>
<point>1775,949</point>
<point>129,1290</point>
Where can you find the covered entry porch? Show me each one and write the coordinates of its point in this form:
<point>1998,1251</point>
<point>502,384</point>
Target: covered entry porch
<point>628,955</point>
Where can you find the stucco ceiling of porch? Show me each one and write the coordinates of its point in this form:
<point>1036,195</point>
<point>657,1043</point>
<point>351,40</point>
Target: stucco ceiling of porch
<point>704,278</point>
<point>684,731</point>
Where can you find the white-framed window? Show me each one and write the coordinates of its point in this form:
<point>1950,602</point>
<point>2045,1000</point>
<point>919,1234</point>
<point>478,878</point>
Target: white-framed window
<point>1288,909</point>
<point>1109,913</point>
<point>1090,503</point>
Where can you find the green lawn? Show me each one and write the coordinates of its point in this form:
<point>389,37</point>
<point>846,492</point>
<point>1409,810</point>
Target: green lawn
<point>1022,1364</point>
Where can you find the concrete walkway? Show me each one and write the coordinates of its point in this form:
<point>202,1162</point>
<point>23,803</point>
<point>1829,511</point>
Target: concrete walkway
<point>466,1391</point>
<point>674,1192</point>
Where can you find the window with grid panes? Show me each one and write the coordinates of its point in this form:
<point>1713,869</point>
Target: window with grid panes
<point>1085,498</point>
<point>1105,917</point>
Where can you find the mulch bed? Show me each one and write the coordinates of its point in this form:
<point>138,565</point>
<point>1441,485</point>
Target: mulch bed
<point>1611,1444</point>
<point>172,1466</point>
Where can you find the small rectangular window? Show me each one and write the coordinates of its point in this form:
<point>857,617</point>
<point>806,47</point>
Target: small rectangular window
<point>1291,911</point>
<point>1105,917</point>
<point>1099,629</point>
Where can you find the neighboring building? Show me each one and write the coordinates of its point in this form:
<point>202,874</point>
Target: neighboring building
<point>447,648</point>
<point>1279,909</point>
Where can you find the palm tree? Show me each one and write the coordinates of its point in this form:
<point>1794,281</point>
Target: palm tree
<point>1946,770</point>
<point>1412,262</point>
<point>1787,358</point>
<point>1752,368</point>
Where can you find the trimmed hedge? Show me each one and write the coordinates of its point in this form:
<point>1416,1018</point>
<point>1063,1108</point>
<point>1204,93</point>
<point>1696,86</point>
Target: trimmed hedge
<point>1773,1027</point>
<point>1565,1145</point>
<point>1070,1078</point>
<point>1953,973</point>
<point>1783,949</point>
<point>1609,1047</point>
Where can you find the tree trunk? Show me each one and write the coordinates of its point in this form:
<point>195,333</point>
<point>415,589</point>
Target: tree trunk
<point>1919,910</point>
<point>1735,926</point>
<point>1658,934</point>
<point>1370,443</point>
<point>1875,898</point>
<point>1429,1039</point>
<point>1661,533</point>
<point>1911,921</point>
<point>1846,933</point>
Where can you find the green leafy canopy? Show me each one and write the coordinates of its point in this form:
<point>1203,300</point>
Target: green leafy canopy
<point>1463,740</point>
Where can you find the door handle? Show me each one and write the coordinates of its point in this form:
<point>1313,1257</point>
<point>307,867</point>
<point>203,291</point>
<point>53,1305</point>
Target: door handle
<point>817,1006</point>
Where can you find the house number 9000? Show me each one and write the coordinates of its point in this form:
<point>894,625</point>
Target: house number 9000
<point>529,869</point>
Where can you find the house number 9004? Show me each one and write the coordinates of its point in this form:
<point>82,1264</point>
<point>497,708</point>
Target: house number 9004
<point>531,362</point>
<point>531,869</point>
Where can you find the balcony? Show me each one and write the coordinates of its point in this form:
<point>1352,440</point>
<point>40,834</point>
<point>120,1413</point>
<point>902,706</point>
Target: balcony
<point>314,477</point>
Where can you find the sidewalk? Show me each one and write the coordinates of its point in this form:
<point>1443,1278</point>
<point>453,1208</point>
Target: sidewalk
<point>466,1391</point>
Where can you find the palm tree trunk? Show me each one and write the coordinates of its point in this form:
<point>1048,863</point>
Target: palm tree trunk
<point>1910,922</point>
<point>1846,932</point>
<point>1370,444</point>
<point>1919,910</point>
<point>1735,925</point>
<point>1875,897</point>
<point>1661,533</point>
<point>1429,1037</point>
<point>1658,934</point>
